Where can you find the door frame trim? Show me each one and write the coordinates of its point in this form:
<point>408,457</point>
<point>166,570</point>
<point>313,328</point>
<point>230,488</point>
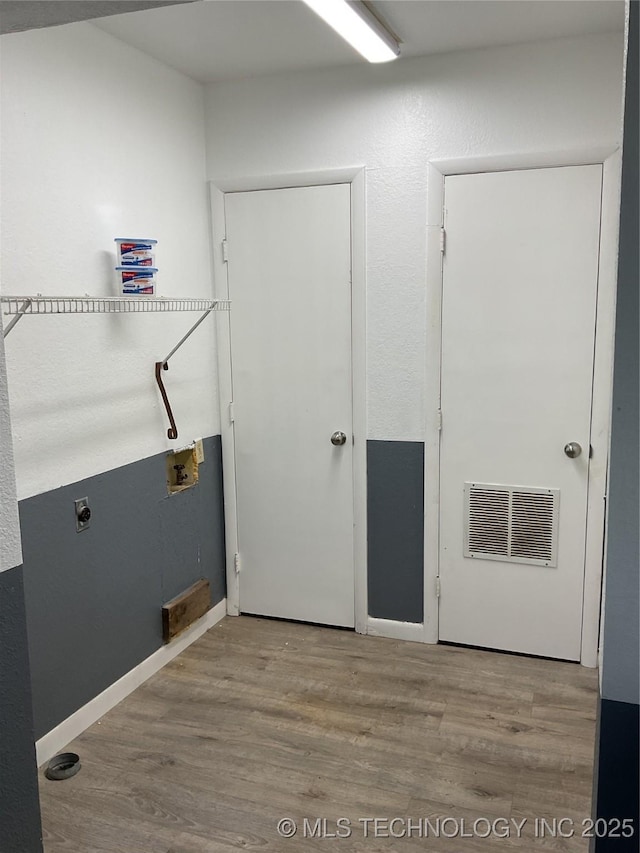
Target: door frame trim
<point>355,176</point>
<point>610,159</point>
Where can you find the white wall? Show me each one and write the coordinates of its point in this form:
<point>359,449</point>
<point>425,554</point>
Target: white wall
<point>100,141</point>
<point>10,550</point>
<point>538,98</point>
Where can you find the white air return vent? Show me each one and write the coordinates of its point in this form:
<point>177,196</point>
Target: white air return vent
<point>512,523</point>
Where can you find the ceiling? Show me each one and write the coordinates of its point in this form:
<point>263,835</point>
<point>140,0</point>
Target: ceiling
<point>219,40</point>
<point>18,15</point>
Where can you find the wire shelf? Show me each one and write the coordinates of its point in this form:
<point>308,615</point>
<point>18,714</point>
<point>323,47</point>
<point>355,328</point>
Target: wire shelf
<point>23,306</point>
<point>106,304</point>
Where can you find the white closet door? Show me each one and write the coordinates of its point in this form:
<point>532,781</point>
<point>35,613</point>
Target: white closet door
<point>519,302</point>
<point>289,268</point>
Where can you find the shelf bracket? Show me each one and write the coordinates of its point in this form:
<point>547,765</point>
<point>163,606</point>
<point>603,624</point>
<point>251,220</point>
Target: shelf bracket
<point>172,432</point>
<point>22,310</point>
<point>18,306</point>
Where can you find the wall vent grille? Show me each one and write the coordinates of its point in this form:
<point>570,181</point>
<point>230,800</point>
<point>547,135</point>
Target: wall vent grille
<point>512,523</point>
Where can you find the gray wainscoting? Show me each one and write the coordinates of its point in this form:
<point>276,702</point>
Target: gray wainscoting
<point>616,770</point>
<point>621,665</point>
<point>617,789</point>
<point>395,521</point>
<point>94,598</point>
<point>19,803</point>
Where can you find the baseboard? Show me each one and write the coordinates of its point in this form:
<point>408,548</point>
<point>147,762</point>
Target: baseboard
<point>51,743</point>
<point>413,631</point>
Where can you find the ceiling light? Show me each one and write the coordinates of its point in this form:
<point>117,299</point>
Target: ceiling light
<point>359,26</point>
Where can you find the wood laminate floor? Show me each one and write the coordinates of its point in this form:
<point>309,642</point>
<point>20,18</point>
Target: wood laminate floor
<point>262,720</point>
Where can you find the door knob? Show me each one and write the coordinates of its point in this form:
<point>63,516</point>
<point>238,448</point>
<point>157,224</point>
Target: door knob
<point>338,438</point>
<point>572,449</point>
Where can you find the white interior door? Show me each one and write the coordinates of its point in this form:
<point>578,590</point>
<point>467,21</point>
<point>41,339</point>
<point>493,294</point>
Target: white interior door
<point>519,302</point>
<point>289,269</point>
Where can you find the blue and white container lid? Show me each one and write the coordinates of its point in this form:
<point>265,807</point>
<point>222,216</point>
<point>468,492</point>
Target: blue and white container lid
<point>138,270</point>
<point>148,240</point>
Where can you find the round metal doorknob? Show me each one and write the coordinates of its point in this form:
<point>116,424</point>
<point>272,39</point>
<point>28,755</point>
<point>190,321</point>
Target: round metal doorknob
<point>572,449</point>
<point>338,438</point>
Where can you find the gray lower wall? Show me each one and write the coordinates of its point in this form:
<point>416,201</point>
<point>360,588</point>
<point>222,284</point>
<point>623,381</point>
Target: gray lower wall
<point>93,599</point>
<point>617,789</point>
<point>395,524</point>
<point>621,644</point>
<point>19,805</point>
<point>616,769</point>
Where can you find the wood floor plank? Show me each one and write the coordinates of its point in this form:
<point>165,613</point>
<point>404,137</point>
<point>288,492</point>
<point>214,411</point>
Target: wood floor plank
<point>261,719</point>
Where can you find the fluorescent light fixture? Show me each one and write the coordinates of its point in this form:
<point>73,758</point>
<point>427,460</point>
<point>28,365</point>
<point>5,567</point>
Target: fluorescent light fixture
<point>359,26</point>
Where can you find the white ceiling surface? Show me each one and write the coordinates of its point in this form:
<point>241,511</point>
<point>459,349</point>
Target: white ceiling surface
<point>226,39</point>
<point>18,15</point>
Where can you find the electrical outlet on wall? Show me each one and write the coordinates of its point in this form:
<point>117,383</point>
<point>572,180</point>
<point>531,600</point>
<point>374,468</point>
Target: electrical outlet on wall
<point>83,514</point>
<point>199,448</point>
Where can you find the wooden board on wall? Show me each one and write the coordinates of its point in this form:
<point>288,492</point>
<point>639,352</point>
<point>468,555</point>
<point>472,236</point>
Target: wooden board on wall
<point>185,608</point>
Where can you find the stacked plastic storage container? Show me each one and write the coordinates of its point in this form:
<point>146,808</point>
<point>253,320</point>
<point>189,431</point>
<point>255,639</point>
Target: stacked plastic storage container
<point>136,268</point>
